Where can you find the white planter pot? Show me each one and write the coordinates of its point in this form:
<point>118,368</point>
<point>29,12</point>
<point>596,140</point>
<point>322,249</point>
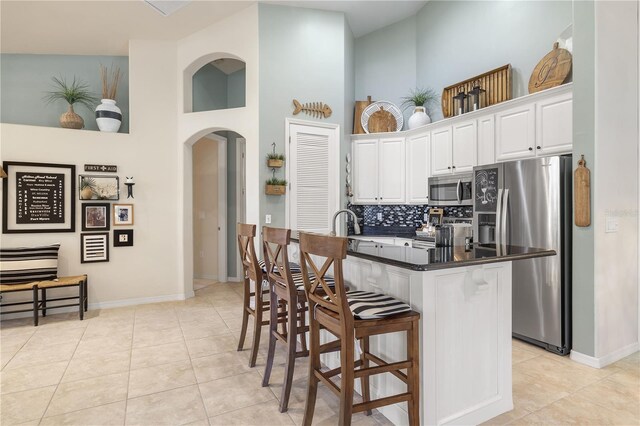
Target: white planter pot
<point>108,116</point>
<point>419,118</point>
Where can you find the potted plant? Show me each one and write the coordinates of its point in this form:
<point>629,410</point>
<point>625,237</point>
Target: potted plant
<point>75,93</point>
<point>275,160</point>
<point>276,186</point>
<point>108,115</point>
<point>420,99</point>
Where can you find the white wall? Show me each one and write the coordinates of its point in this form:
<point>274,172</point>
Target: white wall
<point>234,37</point>
<point>616,187</point>
<point>148,270</point>
<point>205,209</point>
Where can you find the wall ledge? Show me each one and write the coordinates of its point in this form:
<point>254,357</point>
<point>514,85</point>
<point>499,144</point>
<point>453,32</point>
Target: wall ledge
<point>603,361</point>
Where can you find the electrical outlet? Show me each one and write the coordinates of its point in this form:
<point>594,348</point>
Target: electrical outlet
<point>379,216</point>
<point>267,219</point>
<point>611,224</point>
<point>425,217</point>
<point>202,254</point>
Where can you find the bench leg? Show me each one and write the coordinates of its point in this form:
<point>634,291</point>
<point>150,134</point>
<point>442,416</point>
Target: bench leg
<point>86,295</point>
<point>44,302</point>
<point>35,306</point>
<point>81,300</point>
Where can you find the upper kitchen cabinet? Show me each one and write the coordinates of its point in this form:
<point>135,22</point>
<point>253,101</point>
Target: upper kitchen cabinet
<point>515,133</point>
<point>379,171</point>
<point>554,130</point>
<point>454,148</point>
<point>418,168</point>
<point>486,140</point>
<point>540,125</point>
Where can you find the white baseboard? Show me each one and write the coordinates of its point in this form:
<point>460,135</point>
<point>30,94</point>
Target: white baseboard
<point>108,305</point>
<point>207,277</point>
<point>234,279</point>
<point>603,361</point>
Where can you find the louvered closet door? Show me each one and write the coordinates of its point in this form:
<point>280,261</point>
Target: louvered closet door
<point>313,175</point>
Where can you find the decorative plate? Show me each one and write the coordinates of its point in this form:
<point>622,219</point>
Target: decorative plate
<point>377,106</point>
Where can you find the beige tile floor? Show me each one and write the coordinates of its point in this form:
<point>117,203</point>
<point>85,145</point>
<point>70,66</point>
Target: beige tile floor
<point>176,363</point>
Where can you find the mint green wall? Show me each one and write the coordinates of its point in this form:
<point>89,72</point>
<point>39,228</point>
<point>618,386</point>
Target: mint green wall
<point>209,89</point>
<point>457,40</point>
<point>212,89</point>
<point>385,63</point>
<point>25,79</point>
<point>302,56</point>
<point>584,143</point>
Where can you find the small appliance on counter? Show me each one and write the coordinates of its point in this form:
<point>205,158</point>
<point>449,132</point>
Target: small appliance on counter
<point>452,231</point>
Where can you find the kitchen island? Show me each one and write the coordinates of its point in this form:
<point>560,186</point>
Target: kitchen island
<point>464,297</point>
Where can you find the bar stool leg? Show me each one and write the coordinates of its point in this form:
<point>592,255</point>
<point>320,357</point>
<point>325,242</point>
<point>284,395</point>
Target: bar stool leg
<point>86,295</point>
<point>292,336</point>
<point>347,379</point>
<point>273,328</point>
<point>303,323</point>
<point>314,364</point>
<point>413,372</point>
<point>44,302</point>
<point>364,380</point>
<point>81,301</point>
<point>245,316</point>
<point>257,328</point>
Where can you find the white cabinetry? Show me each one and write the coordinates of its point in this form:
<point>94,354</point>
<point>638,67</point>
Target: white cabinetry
<point>454,148</point>
<point>486,140</point>
<point>554,130</point>
<point>515,133</point>
<point>418,169</point>
<point>379,171</point>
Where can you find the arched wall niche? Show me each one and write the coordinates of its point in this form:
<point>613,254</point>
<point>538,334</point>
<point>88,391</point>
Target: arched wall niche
<point>215,76</point>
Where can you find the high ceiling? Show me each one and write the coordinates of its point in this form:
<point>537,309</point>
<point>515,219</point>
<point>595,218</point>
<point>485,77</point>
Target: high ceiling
<point>105,27</point>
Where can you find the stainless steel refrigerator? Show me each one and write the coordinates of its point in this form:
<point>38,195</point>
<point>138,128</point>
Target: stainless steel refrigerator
<point>529,203</point>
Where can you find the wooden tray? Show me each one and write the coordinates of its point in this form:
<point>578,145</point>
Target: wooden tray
<point>496,82</point>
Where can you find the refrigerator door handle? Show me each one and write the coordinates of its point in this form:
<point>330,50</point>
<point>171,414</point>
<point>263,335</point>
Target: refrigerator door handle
<point>498,232</point>
<point>505,204</point>
<point>459,191</point>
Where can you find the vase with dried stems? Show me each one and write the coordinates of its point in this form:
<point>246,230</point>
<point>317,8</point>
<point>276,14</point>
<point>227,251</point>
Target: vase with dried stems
<point>75,93</point>
<point>108,115</point>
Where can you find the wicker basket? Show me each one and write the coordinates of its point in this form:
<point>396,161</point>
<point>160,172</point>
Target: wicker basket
<point>275,163</point>
<point>276,189</point>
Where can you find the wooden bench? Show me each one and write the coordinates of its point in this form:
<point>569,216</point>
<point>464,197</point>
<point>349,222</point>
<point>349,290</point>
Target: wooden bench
<point>39,301</point>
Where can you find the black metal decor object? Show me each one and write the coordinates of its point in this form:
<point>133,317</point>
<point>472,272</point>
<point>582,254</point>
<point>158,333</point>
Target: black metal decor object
<point>476,98</point>
<point>460,103</point>
<point>129,182</point>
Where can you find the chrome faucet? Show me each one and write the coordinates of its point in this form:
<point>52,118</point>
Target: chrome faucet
<point>356,227</point>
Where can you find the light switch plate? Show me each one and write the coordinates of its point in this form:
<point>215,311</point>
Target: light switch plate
<point>379,216</point>
<point>611,224</point>
<point>267,219</point>
<point>425,217</point>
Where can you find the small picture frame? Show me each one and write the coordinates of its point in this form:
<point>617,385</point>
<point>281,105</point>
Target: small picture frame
<point>95,216</point>
<point>122,214</point>
<point>94,247</point>
<point>123,237</point>
<point>91,187</point>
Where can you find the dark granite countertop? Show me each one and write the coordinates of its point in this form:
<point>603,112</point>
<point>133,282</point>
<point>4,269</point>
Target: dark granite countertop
<point>420,259</point>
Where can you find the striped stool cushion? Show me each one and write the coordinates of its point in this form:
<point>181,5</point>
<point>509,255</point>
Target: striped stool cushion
<point>299,281</point>
<point>368,305</point>
<point>27,264</point>
<point>292,265</point>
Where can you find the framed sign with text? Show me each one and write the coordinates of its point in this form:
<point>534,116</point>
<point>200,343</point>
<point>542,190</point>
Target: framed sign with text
<point>38,197</point>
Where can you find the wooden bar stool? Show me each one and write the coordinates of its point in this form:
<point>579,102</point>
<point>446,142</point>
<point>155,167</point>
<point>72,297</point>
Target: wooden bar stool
<point>349,316</point>
<point>254,303</point>
<point>287,297</point>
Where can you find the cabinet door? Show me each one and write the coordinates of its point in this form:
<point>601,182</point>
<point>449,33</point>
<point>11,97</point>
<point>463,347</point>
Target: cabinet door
<point>464,146</point>
<point>441,151</point>
<point>486,140</point>
<point>418,169</point>
<point>365,165</point>
<point>554,129</point>
<point>391,163</point>
<point>515,133</point>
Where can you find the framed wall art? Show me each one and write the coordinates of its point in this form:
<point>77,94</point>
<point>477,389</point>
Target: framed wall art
<point>94,247</point>
<point>95,216</point>
<point>122,214</point>
<point>99,187</point>
<point>38,197</point>
<point>123,237</point>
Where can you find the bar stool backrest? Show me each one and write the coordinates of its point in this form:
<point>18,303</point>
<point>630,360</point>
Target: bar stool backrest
<point>334,251</point>
<point>250,266</point>
<point>276,258</point>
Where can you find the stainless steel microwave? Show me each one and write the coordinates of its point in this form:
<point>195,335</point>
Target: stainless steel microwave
<point>455,190</point>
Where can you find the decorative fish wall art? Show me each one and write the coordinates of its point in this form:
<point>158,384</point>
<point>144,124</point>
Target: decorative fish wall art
<point>315,109</point>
